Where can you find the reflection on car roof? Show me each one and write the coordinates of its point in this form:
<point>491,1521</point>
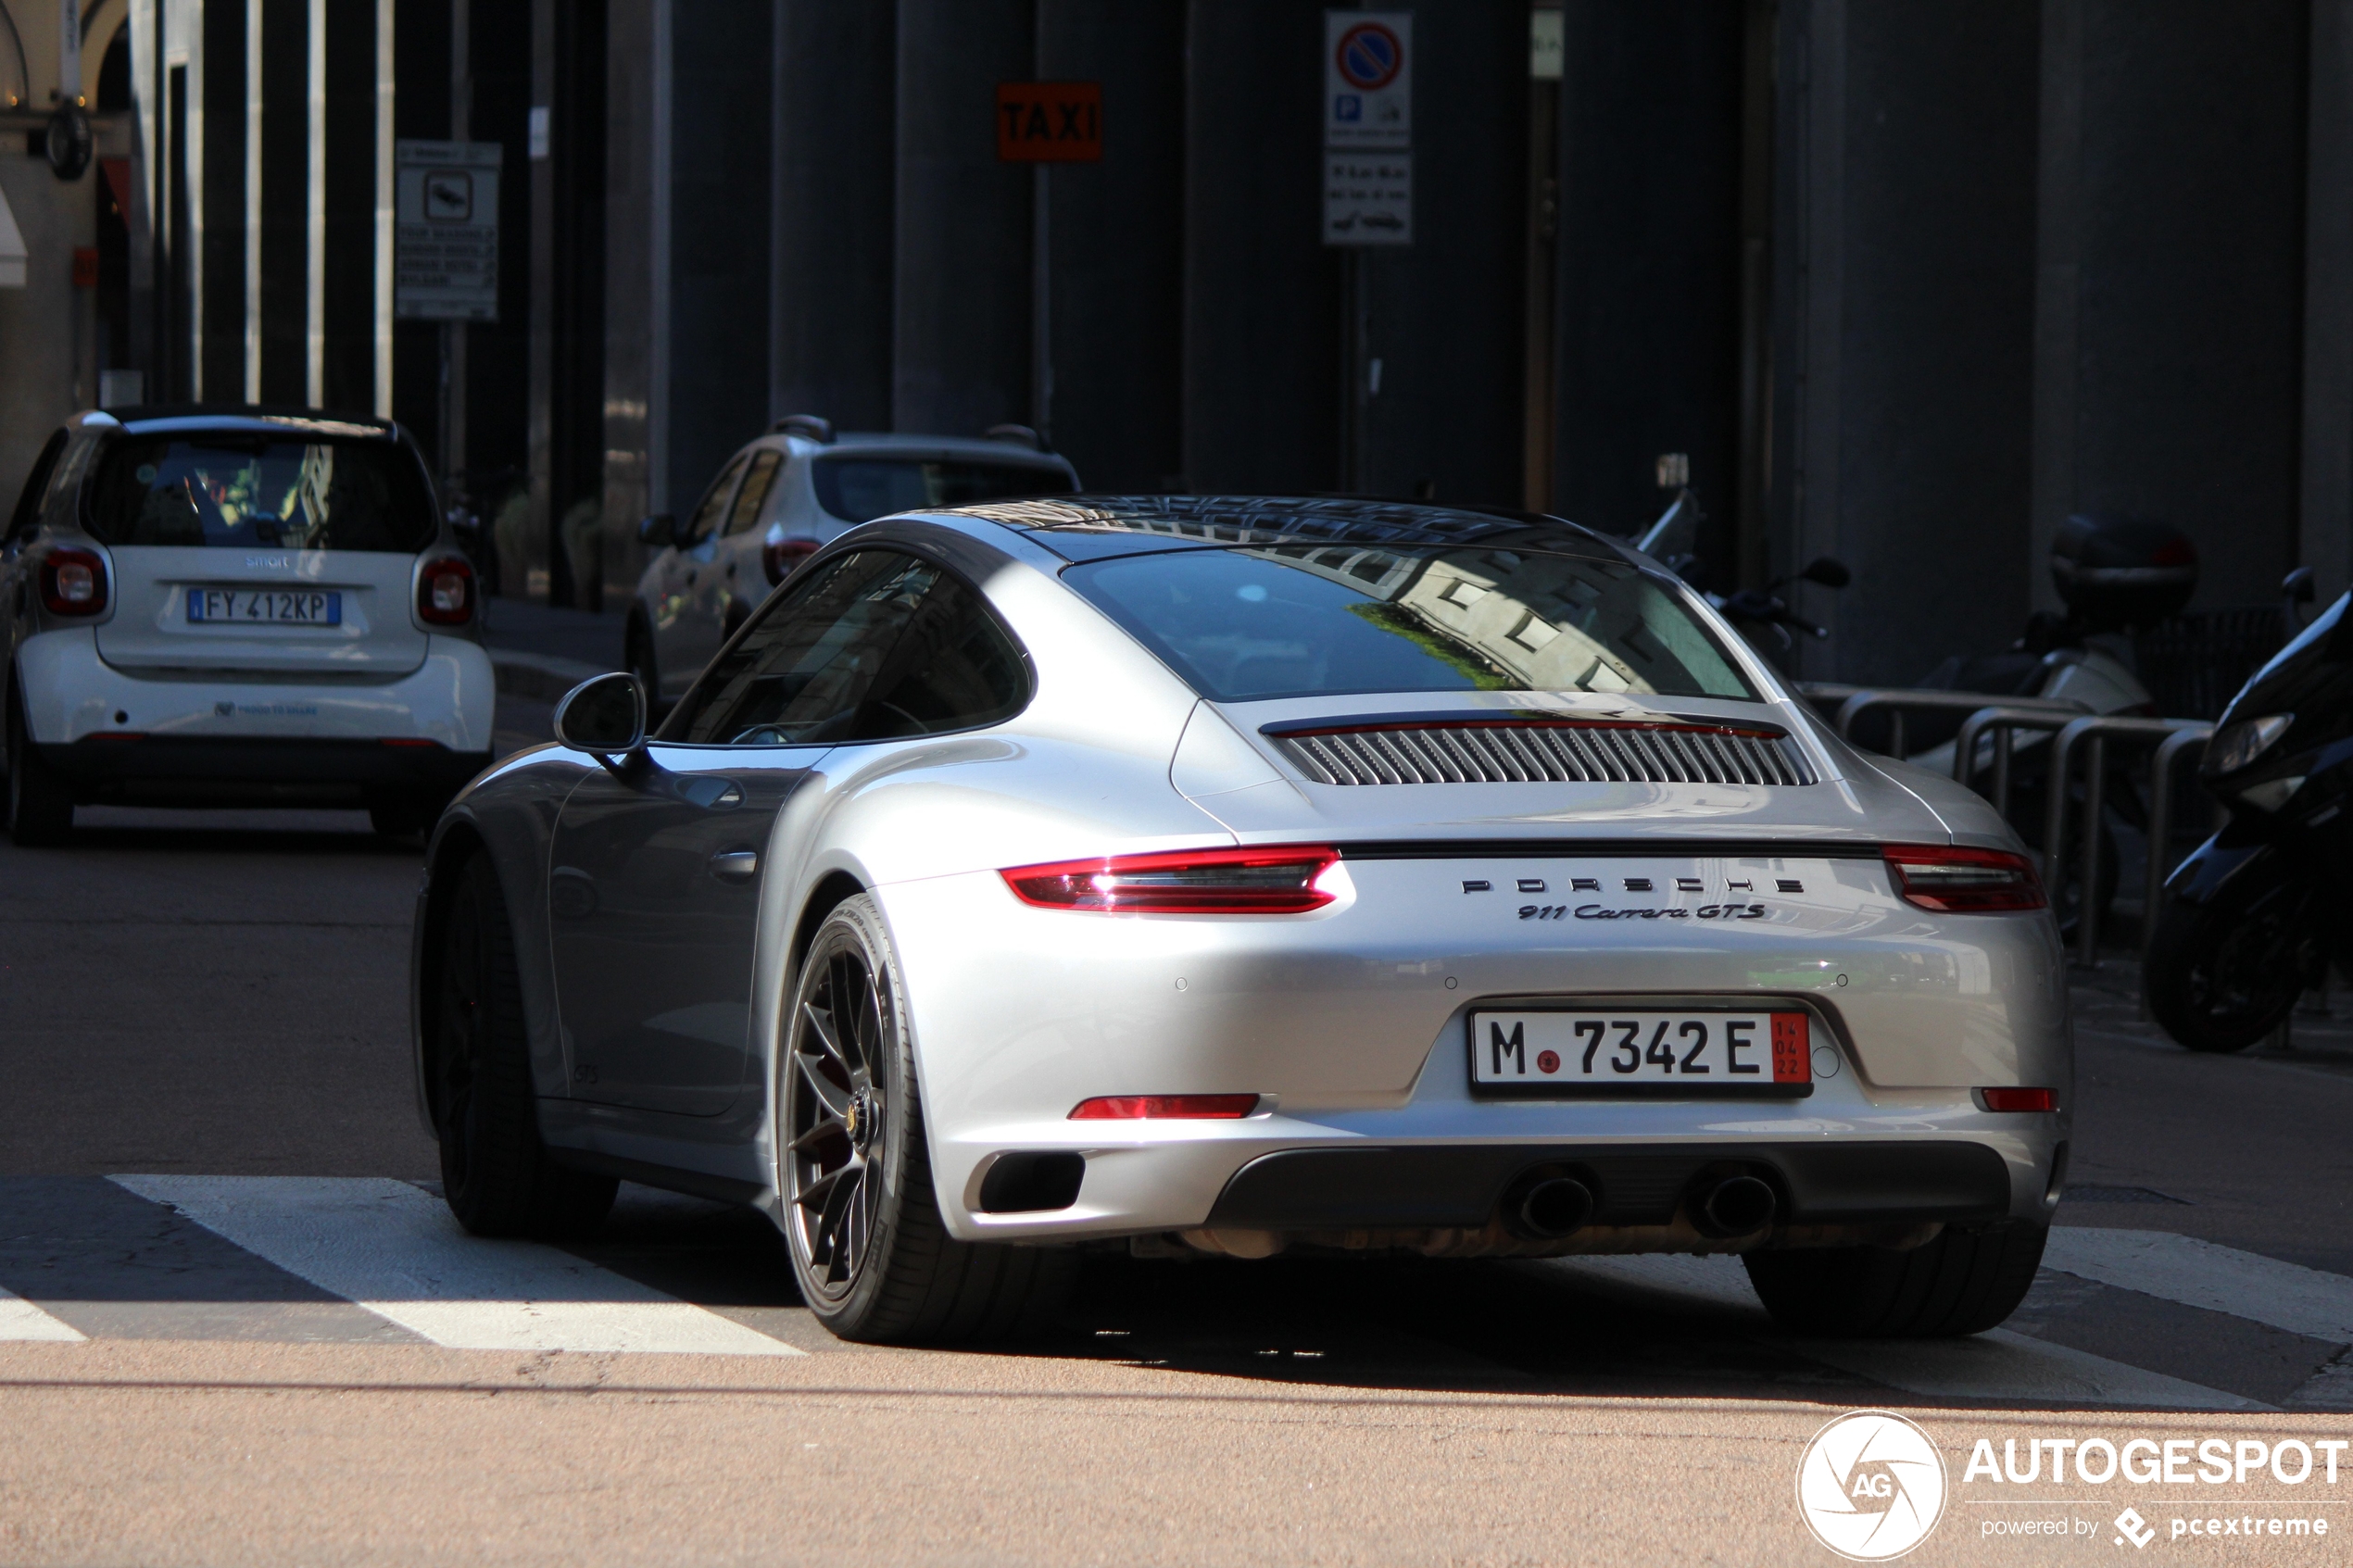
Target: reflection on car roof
<point>1264,519</point>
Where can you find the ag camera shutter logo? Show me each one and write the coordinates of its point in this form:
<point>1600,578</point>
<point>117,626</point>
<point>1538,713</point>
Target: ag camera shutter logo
<point>1870,1485</point>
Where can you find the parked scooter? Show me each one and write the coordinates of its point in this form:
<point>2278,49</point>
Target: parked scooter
<point>2251,920</point>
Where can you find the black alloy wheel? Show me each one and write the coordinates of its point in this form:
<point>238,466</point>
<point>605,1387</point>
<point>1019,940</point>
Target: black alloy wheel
<point>838,1124</point>
<point>870,1251</point>
<point>2222,975</point>
<point>496,1176</point>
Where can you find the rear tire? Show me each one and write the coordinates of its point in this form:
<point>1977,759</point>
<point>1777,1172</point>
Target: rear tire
<point>40,801</point>
<point>1964,1281</point>
<point>872,1256</point>
<point>495,1174</point>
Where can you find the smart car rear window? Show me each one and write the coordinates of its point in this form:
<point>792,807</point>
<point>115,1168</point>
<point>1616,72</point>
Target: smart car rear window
<point>1329,619</point>
<point>237,491</point>
<point>861,489</point>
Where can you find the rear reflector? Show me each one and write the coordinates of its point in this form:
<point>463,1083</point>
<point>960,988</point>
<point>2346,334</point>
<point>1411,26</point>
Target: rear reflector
<point>1138,1108</point>
<point>1277,880</point>
<point>2019,1099</point>
<point>1952,879</point>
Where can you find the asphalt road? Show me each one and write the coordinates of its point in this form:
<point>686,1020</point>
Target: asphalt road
<point>235,1326</point>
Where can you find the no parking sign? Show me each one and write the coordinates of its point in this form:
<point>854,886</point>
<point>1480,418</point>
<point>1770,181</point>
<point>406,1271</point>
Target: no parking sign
<point>1368,78</point>
<point>1368,128</point>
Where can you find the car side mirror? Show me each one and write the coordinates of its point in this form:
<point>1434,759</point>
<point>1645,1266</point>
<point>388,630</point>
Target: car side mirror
<point>658,531</point>
<point>2298,586</point>
<point>1829,572</point>
<point>605,714</point>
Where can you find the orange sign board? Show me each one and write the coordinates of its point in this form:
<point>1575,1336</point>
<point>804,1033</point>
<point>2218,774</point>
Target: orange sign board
<point>1050,121</point>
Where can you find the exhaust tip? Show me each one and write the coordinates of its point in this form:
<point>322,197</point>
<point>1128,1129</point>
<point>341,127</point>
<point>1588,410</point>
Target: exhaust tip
<point>1736,1206</point>
<point>1552,1207</point>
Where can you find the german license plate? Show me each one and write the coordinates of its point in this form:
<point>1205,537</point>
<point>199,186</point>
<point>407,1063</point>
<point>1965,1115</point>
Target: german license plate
<point>1624,1048</point>
<point>295,607</point>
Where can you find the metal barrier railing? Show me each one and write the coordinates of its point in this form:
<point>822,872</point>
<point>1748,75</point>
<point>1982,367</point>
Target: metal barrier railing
<point>2005,721</point>
<point>2093,733</point>
<point>2169,752</point>
<point>1898,700</point>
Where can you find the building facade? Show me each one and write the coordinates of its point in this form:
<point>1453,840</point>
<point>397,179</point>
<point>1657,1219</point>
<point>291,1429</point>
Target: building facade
<point>1904,284</point>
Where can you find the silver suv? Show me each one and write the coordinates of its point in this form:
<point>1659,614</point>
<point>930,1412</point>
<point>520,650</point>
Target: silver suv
<point>775,501</point>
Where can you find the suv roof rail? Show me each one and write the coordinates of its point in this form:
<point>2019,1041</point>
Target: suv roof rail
<point>1020,435</point>
<point>813,426</point>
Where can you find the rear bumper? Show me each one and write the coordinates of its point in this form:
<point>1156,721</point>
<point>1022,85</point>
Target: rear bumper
<point>71,693</point>
<point>170,768</point>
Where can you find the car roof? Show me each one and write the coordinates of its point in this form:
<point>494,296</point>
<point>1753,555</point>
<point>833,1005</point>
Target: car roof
<point>249,417</point>
<point>1094,527</point>
<point>908,445</point>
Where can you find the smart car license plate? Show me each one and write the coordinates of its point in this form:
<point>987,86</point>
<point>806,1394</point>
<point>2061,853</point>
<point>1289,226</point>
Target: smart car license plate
<point>298,607</point>
<point>1614,1049</point>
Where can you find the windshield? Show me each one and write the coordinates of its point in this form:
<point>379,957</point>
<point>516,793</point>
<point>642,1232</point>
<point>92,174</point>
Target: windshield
<point>239,491</point>
<point>1326,620</point>
<point>862,489</point>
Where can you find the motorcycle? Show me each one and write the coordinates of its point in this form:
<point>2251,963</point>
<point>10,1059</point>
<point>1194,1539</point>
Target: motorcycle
<point>1670,539</point>
<point>2250,921</point>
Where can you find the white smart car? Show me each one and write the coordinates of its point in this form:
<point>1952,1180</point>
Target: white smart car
<point>777,500</point>
<point>236,606</point>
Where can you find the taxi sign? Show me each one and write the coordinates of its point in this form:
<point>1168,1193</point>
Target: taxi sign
<point>1050,121</point>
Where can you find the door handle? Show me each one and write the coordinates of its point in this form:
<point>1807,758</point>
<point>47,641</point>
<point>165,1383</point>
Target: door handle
<point>734,865</point>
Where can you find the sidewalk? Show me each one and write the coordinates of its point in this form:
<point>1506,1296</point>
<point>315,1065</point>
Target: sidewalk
<point>541,652</point>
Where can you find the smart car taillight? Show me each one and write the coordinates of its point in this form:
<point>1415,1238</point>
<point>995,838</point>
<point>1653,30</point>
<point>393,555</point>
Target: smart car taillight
<point>779,557</point>
<point>73,581</point>
<point>1280,880</point>
<point>446,591</point>
<point>1953,879</point>
<point>1139,1108</point>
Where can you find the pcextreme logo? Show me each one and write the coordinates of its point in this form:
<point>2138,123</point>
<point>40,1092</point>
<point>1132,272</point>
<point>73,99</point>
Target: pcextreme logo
<point>1870,1485</point>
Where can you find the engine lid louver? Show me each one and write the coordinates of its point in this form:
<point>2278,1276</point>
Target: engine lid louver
<point>1540,751</point>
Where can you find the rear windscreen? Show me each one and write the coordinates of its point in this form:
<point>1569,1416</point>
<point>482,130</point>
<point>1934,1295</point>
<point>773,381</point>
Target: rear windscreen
<point>239,491</point>
<point>862,489</point>
<point>1325,620</point>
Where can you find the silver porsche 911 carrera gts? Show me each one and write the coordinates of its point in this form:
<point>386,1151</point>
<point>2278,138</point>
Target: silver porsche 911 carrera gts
<point>1202,877</point>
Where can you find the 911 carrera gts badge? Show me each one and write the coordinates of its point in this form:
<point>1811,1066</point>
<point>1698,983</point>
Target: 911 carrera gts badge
<point>1594,912</point>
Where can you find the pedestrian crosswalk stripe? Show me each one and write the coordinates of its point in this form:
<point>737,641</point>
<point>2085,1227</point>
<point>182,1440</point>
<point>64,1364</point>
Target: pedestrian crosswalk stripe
<point>2201,1273</point>
<point>19,1319</point>
<point>1997,1365</point>
<point>396,1251</point>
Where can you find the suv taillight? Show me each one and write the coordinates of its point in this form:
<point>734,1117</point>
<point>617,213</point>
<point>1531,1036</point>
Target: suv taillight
<point>1277,880</point>
<point>778,557</point>
<point>1954,880</point>
<point>73,581</point>
<point>446,591</point>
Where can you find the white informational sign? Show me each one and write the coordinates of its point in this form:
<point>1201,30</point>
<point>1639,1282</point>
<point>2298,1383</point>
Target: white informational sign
<point>1368,80</point>
<point>1368,128</point>
<point>1368,199</point>
<point>445,217</point>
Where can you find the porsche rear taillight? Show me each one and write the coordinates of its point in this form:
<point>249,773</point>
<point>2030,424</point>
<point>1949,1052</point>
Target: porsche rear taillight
<point>1277,881</point>
<point>446,591</point>
<point>1954,880</point>
<point>73,581</point>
